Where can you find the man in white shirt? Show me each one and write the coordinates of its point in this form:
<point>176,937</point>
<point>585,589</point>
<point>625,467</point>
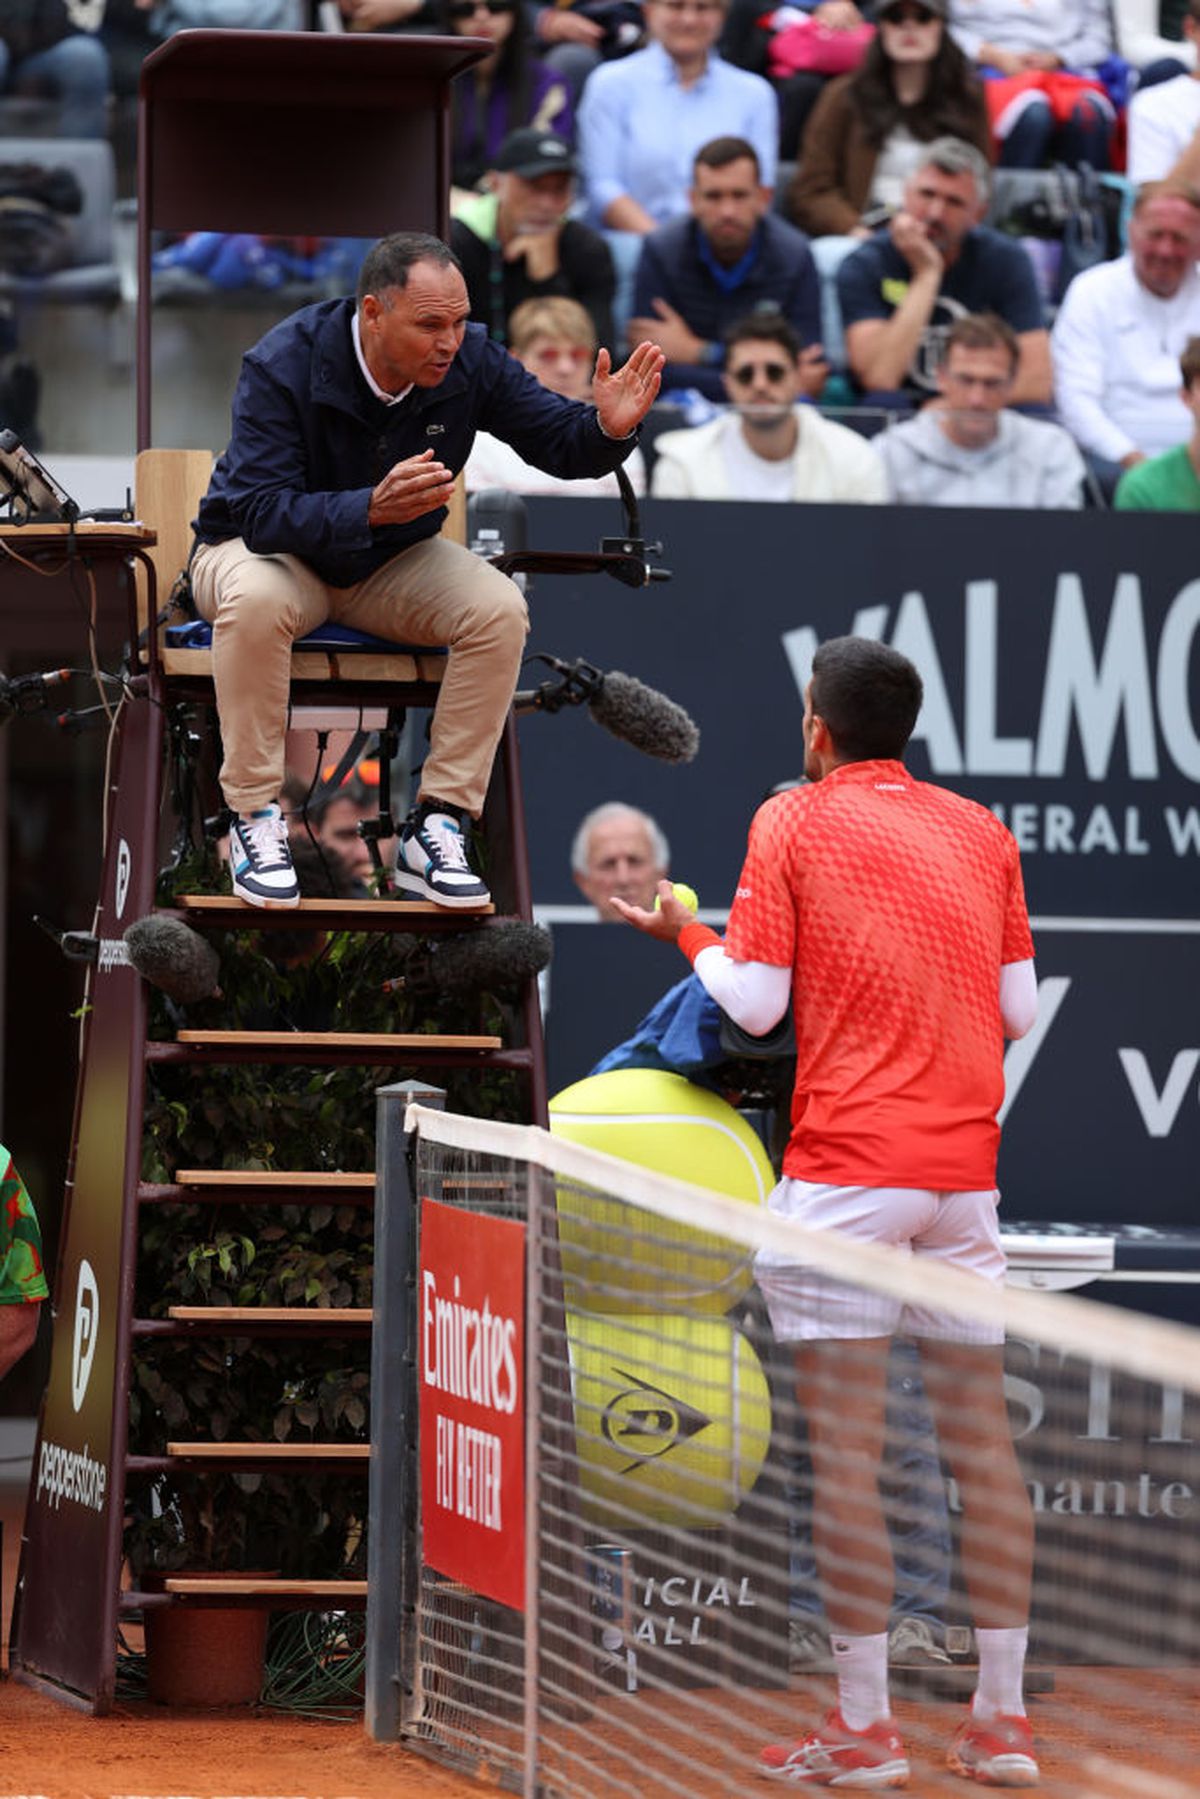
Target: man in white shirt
<point>1120,332</point>
<point>967,448</point>
<point>555,340</point>
<point>766,447</point>
<point>1164,118</point>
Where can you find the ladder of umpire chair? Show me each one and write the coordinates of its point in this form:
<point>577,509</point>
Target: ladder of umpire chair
<point>117,1056</point>
<point>169,487</point>
<point>334,135</point>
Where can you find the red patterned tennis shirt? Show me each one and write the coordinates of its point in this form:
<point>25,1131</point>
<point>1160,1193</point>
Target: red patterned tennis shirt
<point>895,903</point>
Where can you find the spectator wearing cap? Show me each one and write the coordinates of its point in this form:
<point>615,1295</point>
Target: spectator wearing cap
<point>765,446</point>
<point>516,242</point>
<point>556,341</point>
<point>868,129</point>
<point>731,256</point>
<point>967,447</point>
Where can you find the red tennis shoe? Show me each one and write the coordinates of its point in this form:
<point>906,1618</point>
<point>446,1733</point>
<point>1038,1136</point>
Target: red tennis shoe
<point>836,1756</point>
<point>997,1752</point>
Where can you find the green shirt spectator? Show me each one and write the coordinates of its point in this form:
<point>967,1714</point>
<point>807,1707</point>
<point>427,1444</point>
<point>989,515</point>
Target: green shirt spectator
<point>1166,483</point>
<point>22,1275</point>
<point>1169,482</point>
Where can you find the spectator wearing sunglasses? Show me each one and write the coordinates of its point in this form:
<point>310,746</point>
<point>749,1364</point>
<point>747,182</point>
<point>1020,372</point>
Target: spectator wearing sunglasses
<point>699,275</point>
<point>556,341</point>
<point>508,89</point>
<point>516,242</point>
<point>643,119</point>
<point>767,447</point>
<point>866,133</point>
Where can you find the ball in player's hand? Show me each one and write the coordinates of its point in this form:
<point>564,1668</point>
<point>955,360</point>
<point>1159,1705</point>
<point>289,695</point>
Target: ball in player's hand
<point>687,896</point>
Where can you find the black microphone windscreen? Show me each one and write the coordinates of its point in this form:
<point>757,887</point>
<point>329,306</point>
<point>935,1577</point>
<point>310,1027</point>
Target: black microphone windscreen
<point>493,957</point>
<point>645,718</point>
<point>170,955</point>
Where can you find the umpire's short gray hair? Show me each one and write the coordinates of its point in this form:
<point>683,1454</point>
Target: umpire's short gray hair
<point>954,156</point>
<point>660,849</point>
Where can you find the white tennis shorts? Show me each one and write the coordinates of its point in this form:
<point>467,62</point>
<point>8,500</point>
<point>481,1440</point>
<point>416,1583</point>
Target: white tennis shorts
<point>808,1306</point>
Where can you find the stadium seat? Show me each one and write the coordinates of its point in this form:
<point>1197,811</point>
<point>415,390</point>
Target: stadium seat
<point>91,277</point>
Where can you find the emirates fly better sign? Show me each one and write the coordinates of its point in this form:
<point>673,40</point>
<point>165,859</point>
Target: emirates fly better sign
<point>471,1311</point>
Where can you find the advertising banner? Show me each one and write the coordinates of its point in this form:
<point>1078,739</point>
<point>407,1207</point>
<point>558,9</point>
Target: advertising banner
<point>66,1613</point>
<point>1060,655</point>
<point>471,1325</point>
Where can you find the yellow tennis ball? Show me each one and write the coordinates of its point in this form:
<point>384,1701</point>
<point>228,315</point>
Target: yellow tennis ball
<point>687,896</point>
<point>621,1258</point>
<point>672,1418</point>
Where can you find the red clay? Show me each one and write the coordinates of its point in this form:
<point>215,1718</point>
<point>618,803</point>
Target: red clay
<point>1100,1736</point>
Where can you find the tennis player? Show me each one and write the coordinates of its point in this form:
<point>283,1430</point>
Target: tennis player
<point>891,914</point>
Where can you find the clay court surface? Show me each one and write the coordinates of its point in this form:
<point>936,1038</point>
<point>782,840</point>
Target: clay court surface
<point>51,1750</point>
<point>1134,1735</point>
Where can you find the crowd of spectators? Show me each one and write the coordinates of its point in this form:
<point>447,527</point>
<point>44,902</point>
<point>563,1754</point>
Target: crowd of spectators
<point>827,169</point>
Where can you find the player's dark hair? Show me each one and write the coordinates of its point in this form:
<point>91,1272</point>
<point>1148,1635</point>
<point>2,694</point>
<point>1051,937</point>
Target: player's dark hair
<point>1189,362</point>
<point>869,697</point>
<point>387,263</point>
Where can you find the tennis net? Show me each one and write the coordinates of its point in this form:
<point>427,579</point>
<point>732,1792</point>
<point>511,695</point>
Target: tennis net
<point>610,1585</point>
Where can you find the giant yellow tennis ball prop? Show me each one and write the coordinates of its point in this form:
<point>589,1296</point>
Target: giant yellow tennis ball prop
<point>672,1418</point>
<point>621,1258</point>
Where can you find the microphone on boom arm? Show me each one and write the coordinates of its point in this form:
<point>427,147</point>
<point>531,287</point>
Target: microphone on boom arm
<point>637,714</point>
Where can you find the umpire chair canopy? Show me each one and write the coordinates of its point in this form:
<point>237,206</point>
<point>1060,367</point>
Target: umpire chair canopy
<point>282,133</point>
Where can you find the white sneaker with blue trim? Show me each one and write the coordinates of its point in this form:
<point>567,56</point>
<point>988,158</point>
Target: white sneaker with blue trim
<point>260,860</point>
<point>431,862</point>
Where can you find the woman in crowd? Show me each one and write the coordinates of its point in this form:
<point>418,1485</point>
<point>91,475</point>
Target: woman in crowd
<point>1032,54</point>
<point>509,88</point>
<point>865,136</point>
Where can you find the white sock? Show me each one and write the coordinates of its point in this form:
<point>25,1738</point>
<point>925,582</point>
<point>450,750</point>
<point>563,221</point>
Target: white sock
<point>1001,1666</point>
<point>862,1678</point>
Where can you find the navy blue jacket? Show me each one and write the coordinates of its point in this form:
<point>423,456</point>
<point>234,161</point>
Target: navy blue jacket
<point>310,442</point>
<point>784,272</point>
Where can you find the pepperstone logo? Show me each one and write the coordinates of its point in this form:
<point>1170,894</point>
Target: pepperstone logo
<point>124,869</point>
<point>87,1325</point>
<point>646,1422</point>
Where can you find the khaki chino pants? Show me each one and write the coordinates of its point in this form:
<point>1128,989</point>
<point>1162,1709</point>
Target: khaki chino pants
<point>436,593</point>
